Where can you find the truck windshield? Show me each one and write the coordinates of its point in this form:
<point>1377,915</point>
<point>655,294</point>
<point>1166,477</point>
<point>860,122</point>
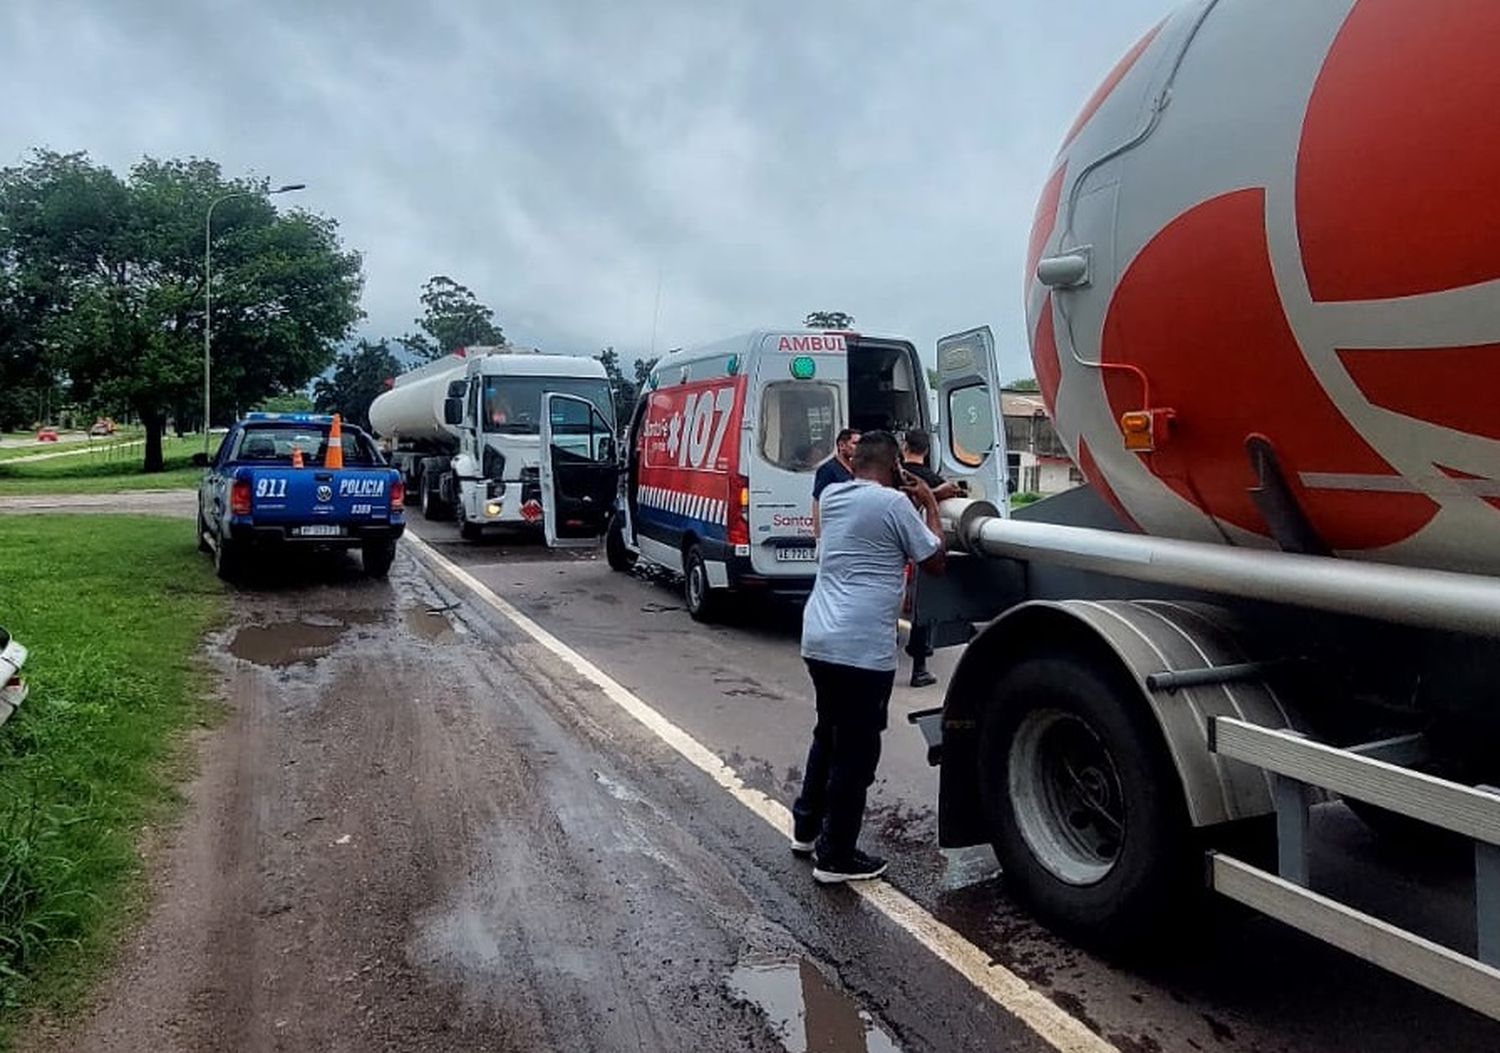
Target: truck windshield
<point>513,405</point>
<point>273,445</point>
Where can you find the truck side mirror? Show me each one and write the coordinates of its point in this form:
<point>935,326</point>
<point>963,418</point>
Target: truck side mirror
<point>199,460</point>
<point>453,411</point>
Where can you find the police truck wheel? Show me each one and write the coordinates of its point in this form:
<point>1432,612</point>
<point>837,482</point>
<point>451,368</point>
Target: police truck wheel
<point>620,558</point>
<point>702,602</point>
<point>229,560</point>
<point>1084,806</point>
<point>378,556</point>
<point>204,545</point>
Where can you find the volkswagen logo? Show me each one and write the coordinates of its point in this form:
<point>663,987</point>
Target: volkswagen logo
<point>325,492</point>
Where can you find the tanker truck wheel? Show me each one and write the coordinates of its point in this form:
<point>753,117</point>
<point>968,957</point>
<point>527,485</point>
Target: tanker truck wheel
<point>1084,805</point>
<point>433,506</point>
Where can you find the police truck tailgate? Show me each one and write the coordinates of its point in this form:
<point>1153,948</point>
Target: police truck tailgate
<point>319,502</point>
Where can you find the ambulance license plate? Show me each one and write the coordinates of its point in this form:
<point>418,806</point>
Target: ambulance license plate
<point>796,555</point>
<point>320,530</point>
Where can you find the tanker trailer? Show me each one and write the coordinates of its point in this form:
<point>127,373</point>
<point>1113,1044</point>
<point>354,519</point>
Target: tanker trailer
<point>1264,311</point>
<point>470,430</point>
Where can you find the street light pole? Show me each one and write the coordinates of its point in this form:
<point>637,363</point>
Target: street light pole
<point>208,288</point>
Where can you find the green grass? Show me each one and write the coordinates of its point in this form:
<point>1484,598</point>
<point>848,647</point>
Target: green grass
<point>113,609</point>
<point>104,471</point>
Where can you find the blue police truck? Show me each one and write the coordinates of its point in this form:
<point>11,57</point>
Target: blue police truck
<point>269,488</point>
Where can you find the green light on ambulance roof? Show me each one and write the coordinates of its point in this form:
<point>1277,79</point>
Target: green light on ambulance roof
<point>803,367</point>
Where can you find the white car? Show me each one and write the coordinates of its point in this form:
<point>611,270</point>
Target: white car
<point>12,687</point>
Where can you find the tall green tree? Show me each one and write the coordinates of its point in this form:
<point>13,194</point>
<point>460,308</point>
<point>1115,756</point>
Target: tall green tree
<point>623,389</point>
<point>452,317</point>
<point>828,320</point>
<point>118,267</point>
<point>359,375</point>
<point>643,368</point>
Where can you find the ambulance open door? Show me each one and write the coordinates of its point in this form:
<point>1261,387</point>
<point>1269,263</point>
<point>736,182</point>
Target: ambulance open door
<point>579,471</point>
<point>970,425</point>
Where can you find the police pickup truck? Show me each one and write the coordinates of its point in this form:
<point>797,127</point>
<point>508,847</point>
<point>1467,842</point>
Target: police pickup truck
<point>273,485</point>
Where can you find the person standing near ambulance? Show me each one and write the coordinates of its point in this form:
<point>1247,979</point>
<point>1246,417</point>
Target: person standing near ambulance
<point>872,527</point>
<point>837,469</point>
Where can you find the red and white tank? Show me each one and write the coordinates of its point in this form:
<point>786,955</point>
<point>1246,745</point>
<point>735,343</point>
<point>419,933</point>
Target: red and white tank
<point>1291,215</point>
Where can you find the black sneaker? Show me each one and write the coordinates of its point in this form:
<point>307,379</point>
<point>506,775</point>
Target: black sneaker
<point>857,867</point>
<point>922,678</point>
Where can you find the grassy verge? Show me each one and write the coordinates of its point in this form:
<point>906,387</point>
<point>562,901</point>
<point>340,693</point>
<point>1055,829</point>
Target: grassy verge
<point>113,610</point>
<point>103,471</point>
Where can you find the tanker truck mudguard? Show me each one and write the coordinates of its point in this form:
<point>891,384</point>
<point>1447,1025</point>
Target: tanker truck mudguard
<point>1274,607</point>
<point>298,480</point>
<point>479,438</point>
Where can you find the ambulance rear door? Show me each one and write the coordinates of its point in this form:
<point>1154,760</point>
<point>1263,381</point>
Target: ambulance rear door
<point>970,426</point>
<point>801,382</point>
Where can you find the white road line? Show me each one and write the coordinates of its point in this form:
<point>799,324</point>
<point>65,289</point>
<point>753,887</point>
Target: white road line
<point>1013,994</point>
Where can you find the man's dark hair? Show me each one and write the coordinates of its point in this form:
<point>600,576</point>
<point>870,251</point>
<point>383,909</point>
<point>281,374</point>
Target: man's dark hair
<point>918,442</point>
<point>876,448</point>
<point>845,434</point>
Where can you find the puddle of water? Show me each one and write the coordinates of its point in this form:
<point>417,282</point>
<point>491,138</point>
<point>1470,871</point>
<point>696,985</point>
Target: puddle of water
<point>286,643</point>
<point>806,1012</point>
<point>430,626</point>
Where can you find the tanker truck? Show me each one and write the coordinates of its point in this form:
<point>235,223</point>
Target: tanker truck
<point>505,436</point>
<point>1263,303</point>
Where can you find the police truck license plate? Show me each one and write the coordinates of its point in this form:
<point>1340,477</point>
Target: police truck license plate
<point>321,530</point>
<point>796,555</point>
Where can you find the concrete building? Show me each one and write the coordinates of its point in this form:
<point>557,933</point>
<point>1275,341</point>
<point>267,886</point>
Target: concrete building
<point>1038,462</point>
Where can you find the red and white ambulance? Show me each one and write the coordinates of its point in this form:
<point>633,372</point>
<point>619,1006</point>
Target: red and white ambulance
<point>726,438</point>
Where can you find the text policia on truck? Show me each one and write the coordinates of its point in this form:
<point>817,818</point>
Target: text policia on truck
<point>1263,316</point>
<point>469,430</point>
<point>725,441</point>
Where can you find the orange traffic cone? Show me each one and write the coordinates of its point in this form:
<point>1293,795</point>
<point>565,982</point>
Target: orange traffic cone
<point>296,457</point>
<point>334,458</point>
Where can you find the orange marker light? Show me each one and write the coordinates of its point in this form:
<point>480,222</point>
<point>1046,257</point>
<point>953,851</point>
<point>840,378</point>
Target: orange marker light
<point>1144,430</point>
<point>335,456</point>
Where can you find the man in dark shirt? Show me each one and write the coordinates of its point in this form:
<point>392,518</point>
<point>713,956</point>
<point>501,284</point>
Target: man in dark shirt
<point>915,448</point>
<point>837,469</point>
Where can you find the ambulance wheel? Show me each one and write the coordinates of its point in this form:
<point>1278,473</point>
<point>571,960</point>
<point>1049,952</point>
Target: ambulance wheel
<point>1084,806</point>
<point>702,602</point>
<point>620,558</point>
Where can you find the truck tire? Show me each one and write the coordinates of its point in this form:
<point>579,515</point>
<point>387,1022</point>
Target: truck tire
<point>1084,805</point>
<point>229,560</point>
<point>620,558</point>
<point>702,602</point>
<point>204,545</point>
<point>432,500</point>
<point>412,493</point>
<point>377,557</point>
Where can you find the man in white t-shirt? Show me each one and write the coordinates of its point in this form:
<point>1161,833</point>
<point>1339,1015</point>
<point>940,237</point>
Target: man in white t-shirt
<point>870,530</point>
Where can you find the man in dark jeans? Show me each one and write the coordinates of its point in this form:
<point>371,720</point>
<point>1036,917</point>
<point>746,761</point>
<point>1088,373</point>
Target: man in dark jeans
<point>871,530</point>
<point>915,449</point>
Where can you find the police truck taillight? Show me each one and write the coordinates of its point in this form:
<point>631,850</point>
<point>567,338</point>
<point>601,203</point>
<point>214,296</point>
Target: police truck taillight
<point>239,498</point>
<point>398,494</point>
<point>739,514</point>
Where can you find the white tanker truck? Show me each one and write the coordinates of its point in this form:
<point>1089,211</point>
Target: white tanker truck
<point>469,432</point>
<point>1263,299</point>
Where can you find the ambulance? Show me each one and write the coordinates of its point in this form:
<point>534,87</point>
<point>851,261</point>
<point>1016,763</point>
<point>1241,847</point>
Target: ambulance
<point>722,448</point>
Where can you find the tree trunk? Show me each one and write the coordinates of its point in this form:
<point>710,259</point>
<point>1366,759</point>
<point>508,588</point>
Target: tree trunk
<point>155,424</point>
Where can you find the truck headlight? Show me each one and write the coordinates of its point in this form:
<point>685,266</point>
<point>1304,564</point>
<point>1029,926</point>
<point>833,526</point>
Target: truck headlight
<point>492,509</point>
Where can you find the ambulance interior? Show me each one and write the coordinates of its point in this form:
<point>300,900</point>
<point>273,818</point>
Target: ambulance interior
<point>883,388</point>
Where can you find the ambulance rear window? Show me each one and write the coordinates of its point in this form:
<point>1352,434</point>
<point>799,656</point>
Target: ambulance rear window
<point>798,422</point>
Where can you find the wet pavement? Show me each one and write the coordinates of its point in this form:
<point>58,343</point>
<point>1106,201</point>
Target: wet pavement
<point>417,829</point>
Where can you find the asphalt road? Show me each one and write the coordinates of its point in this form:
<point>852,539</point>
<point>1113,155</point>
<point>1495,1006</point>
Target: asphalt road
<point>419,830</point>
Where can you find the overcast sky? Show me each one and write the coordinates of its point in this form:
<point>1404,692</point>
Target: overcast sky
<point>764,158</point>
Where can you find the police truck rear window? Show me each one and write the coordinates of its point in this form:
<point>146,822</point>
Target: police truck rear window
<point>273,445</point>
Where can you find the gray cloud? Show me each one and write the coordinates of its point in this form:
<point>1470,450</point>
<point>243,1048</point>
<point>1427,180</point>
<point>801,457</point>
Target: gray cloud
<point>765,158</point>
